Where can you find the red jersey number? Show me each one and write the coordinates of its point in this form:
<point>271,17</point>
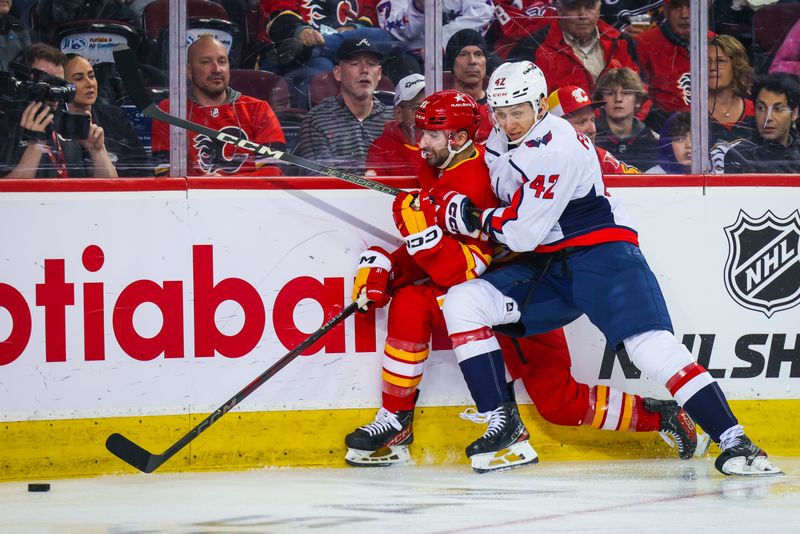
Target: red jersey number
<point>540,187</point>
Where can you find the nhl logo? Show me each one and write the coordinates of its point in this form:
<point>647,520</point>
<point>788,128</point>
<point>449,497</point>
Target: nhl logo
<point>762,271</point>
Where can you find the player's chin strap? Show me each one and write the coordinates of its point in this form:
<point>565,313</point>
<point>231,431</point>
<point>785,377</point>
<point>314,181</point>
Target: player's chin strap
<point>453,152</point>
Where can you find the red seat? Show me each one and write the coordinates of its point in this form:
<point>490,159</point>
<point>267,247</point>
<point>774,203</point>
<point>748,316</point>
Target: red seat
<point>263,85</point>
<point>155,16</point>
<point>324,85</point>
<point>770,26</point>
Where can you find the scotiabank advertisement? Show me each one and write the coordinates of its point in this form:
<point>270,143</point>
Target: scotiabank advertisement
<point>117,303</point>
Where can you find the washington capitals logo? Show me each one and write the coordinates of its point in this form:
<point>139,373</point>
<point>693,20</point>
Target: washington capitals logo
<point>216,157</point>
<point>540,141</point>
<point>762,272</point>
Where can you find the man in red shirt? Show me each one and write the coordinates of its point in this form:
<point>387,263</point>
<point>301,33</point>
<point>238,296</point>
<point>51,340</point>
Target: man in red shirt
<point>663,53</point>
<point>578,47</point>
<point>395,151</point>
<point>212,103</point>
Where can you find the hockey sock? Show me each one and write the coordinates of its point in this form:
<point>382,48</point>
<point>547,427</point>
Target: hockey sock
<point>645,421</point>
<point>486,379</point>
<point>709,409</point>
<point>403,363</point>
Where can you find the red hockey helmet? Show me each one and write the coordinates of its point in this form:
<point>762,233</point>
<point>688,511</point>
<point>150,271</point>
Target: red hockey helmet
<point>449,110</point>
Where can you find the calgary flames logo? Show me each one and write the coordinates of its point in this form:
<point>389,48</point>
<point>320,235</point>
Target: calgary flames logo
<point>216,157</point>
<point>315,12</point>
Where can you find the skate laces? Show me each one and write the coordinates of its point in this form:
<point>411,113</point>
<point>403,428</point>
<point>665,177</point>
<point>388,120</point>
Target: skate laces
<point>383,421</point>
<point>731,437</point>
<point>495,419</point>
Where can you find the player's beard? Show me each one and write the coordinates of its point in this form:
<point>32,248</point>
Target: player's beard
<point>434,158</point>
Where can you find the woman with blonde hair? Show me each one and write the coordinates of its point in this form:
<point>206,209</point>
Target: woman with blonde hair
<point>729,79</point>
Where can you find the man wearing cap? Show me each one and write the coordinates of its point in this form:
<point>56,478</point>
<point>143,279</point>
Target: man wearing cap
<point>340,129</point>
<point>395,151</point>
<point>573,104</point>
<point>465,55</point>
<point>578,47</point>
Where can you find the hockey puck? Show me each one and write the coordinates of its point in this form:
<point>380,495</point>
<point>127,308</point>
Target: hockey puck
<point>38,487</point>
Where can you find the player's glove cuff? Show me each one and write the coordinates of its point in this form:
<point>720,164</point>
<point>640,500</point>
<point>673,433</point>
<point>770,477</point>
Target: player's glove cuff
<point>426,240</point>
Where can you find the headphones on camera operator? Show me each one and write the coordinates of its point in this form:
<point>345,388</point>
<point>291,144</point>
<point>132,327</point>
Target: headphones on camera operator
<point>22,85</point>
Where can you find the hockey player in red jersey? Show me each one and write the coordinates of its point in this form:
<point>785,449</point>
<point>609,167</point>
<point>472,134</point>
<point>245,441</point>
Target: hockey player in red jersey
<point>573,104</point>
<point>448,120</point>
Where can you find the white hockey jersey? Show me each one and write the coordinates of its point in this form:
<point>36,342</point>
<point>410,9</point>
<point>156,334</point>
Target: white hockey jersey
<point>407,24</point>
<point>552,192</point>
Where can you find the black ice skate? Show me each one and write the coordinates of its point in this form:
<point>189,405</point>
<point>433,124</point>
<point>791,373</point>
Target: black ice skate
<point>742,457</point>
<point>383,442</point>
<point>505,443</point>
<point>678,429</point>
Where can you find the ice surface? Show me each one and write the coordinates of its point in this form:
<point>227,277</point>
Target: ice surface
<point>619,496</point>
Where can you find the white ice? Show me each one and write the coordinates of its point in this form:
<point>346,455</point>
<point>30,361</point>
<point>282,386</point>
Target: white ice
<point>620,496</point>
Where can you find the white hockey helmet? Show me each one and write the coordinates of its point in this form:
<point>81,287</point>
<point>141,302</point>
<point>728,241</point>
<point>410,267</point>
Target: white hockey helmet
<point>515,83</point>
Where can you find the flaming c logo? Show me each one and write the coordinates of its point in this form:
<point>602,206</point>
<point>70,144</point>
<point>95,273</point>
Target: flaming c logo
<point>217,157</point>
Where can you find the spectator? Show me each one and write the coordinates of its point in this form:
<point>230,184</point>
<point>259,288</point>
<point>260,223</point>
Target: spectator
<point>212,103</point>
<point>396,152</point>
<point>405,19</point>
<point>729,79</point>
<point>516,20</point>
<point>33,148</point>
<point>307,34</point>
<point>675,149</point>
<point>14,36</point>
<point>122,143</point>
<point>465,55</point>
<point>775,146</point>
<point>618,129</point>
<point>578,47</point>
<point>787,58</point>
<point>573,104</point>
<point>340,129</point>
<point>663,53</point>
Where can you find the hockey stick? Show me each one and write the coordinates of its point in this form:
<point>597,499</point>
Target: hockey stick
<point>126,63</point>
<point>147,462</point>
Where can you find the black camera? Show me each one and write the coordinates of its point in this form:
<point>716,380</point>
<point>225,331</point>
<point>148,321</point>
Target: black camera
<point>41,88</point>
<point>24,85</point>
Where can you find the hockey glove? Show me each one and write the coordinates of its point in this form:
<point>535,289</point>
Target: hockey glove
<point>374,268</point>
<point>457,214</point>
<point>415,217</point>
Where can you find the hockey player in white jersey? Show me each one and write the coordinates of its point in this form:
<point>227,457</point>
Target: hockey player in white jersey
<point>579,255</point>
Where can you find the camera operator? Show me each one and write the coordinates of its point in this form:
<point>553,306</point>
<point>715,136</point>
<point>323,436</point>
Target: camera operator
<point>34,149</point>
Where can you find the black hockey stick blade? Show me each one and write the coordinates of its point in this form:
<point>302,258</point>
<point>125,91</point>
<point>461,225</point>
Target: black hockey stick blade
<point>132,453</point>
<point>125,60</point>
<point>147,462</point>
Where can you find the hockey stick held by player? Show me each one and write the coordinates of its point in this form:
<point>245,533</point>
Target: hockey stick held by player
<point>579,255</point>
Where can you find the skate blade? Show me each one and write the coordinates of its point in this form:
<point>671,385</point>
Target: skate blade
<point>396,454</point>
<point>760,467</point>
<point>517,455</point>
<point>703,442</point>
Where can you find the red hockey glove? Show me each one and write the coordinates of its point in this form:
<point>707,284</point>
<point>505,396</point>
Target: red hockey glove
<point>374,268</point>
<point>457,214</point>
<point>417,221</point>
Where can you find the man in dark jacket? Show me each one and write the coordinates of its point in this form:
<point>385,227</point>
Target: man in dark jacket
<point>14,35</point>
<point>775,146</point>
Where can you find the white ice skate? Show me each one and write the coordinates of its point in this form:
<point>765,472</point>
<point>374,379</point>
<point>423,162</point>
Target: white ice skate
<point>741,457</point>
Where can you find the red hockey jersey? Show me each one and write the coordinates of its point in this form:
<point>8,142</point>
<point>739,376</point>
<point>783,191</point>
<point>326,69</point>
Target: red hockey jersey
<point>665,68</point>
<point>245,117</point>
<point>459,258</point>
<point>280,18</point>
<point>515,20</point>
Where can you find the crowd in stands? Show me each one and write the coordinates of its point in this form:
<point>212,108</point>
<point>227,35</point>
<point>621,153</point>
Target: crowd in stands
<point>339,82</point>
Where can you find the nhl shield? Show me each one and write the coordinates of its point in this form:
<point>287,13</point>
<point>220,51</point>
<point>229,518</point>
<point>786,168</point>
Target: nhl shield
<point>762,271</point>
